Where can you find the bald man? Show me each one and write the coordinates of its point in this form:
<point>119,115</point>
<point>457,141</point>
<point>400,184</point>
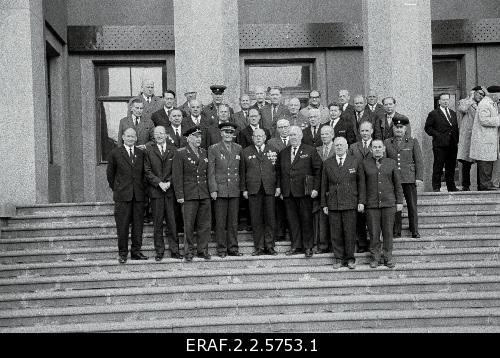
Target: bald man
<point>296,118</point>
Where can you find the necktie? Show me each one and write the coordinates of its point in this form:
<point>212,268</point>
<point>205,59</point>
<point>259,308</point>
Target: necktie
<point>294,151</point>
<point>325,151</point>
<point>162,152</point>
<point>275,110</point>
<point>245,113</point>
<point>177,134</point>
<point>131,155</point>
<point>149,99</point>
<point>340,162</point>
<point>364,145</point>
<point>358,115</point>
<point>378,163</point>
<point>448,116</point>
<point>314,131</point>
<point>284,141</point>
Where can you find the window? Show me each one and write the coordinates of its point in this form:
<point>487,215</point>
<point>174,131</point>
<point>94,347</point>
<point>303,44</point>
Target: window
<point>294,78</point>
<point>116,84</point>
<point>447,78</point>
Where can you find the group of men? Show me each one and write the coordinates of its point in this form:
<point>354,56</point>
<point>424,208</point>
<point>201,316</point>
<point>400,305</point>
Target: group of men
<point>334,177</point>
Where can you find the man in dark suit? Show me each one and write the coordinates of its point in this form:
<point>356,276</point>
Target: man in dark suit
<point>359,115</point>
<point>189,176</point>
<point>245,136</point>
<point>260,97</point>
<point>241,117</point>
<point>211,111</point>
<point>258,184</point>
<point>442,126</point>
<point>125,174</point>
<point>190,95</point>
<point>274,111</point>
<point>362,150</point>
<point>158,169</point>
<point>296,117</point>
<point>315,103</point>
<point>383,198</point>
<point>147,96</point>
<point>298,170</point>
<point>406,152</point>
<point>373,107</point>
<point>344,98</point>
<point>161,116</point>
<point>342,181</point>
<point>196,117</point>
<point>342,126</point>
<point>382,123</point>
<point>224,186</point>
<point>177,126</point>
<point>311,135</point>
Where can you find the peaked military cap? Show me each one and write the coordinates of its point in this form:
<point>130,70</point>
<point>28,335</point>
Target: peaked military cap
<point>400,121</point>
<point>228,125</point>
<point>477,88</point>
<point>494,89</point>
<point>192,130</point>
<point>218,89</point>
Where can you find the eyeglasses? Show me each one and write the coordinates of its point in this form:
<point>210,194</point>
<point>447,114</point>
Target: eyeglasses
<point>228,131</point>
<point>481,93</point>
<point>314,97</point>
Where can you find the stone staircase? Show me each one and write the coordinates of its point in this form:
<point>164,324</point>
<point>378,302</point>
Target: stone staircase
<point>59,273</point>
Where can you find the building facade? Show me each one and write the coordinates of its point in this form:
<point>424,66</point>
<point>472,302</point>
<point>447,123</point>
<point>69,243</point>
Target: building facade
<point>69,67</point>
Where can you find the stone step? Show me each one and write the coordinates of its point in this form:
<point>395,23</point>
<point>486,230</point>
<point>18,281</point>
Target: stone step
<point>256,306</point>
<point>169,274</point>
<point>244,238</point>
<point>51,230</point>
<point>303,322</point>
<point>243,291</point>
<point>440,329</point>
<point>441,217</point>
<point>102,253</point>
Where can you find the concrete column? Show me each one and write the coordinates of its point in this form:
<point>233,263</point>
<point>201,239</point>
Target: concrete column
<point>397,50</point>
<point>207,47</point>
<point>23,126</point>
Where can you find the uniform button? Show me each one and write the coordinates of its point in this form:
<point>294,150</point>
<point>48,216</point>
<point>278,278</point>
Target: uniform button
<point>229,180</point>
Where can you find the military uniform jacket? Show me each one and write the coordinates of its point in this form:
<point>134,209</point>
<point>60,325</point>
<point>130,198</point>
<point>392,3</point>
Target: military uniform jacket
<point>408,157</point>
<point>341,186</point>
<point>258,169</point>
<point>126,177</point>
<point>158,169</point>
<point>189,174</point>
<point>224,170</point>
<point>383,186</point>
<point>291,176</point>
<point>359,152</point>
<point>382,129</point>
<point>211,112</point>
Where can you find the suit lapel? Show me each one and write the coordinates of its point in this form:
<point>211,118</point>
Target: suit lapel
<point>297,155</point>
<point>125,153</point>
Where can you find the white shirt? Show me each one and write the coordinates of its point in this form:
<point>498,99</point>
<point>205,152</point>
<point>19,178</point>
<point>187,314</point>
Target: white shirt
<point>196,120</point>
<point>344,106</point>
<point>335,121</point>
<point>162,148</point>
<point>367,143</point>
<point>129,148</point>
<point>254,127</point>
<point>327,148</point>
<point>167,109</point>
<point>446,114</point>
<point>285,140</point>
<point>261,148</point>
<point>342,157</point>
<point>136,119</point>
<point>177,130</point>
<point>146,98</point>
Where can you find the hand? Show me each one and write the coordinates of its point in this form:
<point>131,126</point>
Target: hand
<point>361,208</point>
<point>214,195</point>
<point>142,146</point>
<point>325,210</point>
<point>314,194</point>
<point>277,192</point>
<point>399,207</point>
<point>164,186</point>
<point>180,201</point>
<point>245,194</point>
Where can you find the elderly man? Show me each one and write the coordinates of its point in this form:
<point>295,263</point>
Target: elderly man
<point>314,103</point>
<point>260,96</point>
<point>372,106</point>
<point>342,126</point>
<point>406,152</point>
<point>161,116</point>
<point>143,127</point>
<point>296,118</point>
<point>258,184</point>
<point>441,124</point>
<point>362,150</point>
<point>189,177</point>
<point>196,117</point>
<point>241,117</point>
<point>344,98</point>
<point>190,95</point>
<point>484,138</point>
<point>213,133</point>
<point>311,135</point>
<point>466,112</point>
<point>383,198</point>
<point>224,185</point>
<point>125,174</point>
<point>211,111</point>
<point>245,136</point>
<point>151,102</point>
<point>360,114</point>
<point>320,219</point>
<point>382,123</point>
<point>177,126</point>
<point>158,171</point>
<point>298,172</point>
<point>274,111</point>
<point>341,184</point>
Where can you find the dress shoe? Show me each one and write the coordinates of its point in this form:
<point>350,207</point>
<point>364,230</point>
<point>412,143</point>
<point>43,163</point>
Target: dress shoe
<point>436,190</point>
<point>293,252</point>
<point>321,251</point>
<point>279,238</point>
<point>234,253</point>
<point>453,189</point>
<point>176,255</point>
<point>147,220</point>
<point>159,257</point>
<point>205,256</point>
<point>396,236</point>
<point>415,235</point>
<point>122,259</point>
<point>390,264</point>
<point>258,252</point>
<point>221,255</point>
<point>139,256</point>
<point>336,264</point>
<point>248,228</point>
<point>308,253</point>
<point>188,258</point>
<point>351,265</point>
<point>373,263</point>
<point>465,188</point>
<point>361,250</point>
<point>271,251</point>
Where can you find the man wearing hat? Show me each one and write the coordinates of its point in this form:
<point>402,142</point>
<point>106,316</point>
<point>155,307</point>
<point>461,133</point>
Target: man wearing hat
<point>190,95</point>
<point>213,133</point>
<point>189,178</point>
<point>441,124</point>
<point>224,185</point>
<point>211,111</point>
<point>466,111</point>
<point>484,137</point>
<point>408,156</point>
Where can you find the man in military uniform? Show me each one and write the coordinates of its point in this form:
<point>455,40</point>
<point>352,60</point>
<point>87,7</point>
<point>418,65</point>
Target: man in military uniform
<point>211,111</point>
<point>213,134</point>
<point>189,177</point>
<point>224,185</point>
<point>406,152</point>
<point>190,95</point>
<point>258,183</point>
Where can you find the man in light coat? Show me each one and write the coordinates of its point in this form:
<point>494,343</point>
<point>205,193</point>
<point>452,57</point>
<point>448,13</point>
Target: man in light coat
<point>484,137</point>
